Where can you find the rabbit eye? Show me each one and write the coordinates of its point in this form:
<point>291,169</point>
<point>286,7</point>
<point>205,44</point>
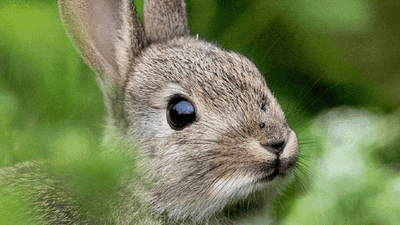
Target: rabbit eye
<point>180,113</point>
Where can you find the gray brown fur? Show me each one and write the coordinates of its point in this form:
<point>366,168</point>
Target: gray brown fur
<point>191,176</point>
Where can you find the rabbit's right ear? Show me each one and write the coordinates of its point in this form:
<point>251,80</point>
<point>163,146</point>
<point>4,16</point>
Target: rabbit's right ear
<point>165,19</point>
<point>107,33</point>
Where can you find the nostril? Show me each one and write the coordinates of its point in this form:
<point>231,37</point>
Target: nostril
<point>275,148</point>
<point>278,146</point>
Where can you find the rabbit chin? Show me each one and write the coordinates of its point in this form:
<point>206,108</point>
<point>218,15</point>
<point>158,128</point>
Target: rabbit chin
<point>248,189</point>
<point>242,196</point>
<point>241,188</point>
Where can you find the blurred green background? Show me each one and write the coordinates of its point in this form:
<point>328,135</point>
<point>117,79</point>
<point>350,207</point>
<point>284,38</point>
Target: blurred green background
<point>318,56</point>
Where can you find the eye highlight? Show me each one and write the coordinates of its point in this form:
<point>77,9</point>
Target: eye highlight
<point>180,113</point>
<point>183,107</point>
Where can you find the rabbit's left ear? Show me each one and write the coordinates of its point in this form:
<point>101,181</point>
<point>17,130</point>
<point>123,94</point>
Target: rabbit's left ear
<point>107,33</point>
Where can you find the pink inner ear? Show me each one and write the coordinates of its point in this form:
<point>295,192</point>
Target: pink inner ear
<point>105,30</point>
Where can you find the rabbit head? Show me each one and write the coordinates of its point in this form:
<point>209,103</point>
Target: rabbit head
<point>211,133</point>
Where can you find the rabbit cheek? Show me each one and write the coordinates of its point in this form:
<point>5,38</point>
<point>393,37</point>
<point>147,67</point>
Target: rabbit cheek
<point>248,160</point>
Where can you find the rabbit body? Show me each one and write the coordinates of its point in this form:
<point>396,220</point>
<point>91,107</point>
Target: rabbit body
<point>221,167</point>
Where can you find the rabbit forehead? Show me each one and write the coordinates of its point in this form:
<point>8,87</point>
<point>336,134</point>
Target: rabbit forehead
<point>216,78</point>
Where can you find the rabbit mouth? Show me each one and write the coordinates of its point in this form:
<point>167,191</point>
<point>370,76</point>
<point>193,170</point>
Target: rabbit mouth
<point>279,168</point>
<point>271,176</point>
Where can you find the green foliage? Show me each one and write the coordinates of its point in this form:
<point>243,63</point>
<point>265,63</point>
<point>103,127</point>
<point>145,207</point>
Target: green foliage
<point>315,55</point>
<point>349,186</point>
<point>14,208</point>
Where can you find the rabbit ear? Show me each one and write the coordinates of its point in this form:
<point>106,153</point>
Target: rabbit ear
<point>165,19</point>
<point>107,33</point>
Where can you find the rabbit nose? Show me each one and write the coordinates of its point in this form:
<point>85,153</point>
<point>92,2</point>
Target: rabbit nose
<point>274,136</point>
<point>275,148</point>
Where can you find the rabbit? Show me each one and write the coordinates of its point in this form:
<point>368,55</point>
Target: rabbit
<point>209,142</point>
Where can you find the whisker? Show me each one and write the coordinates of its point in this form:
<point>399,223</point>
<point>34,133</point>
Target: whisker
<point>304,94</point>
<point>312,103</point>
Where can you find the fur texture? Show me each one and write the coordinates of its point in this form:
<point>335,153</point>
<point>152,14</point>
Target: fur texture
<point>225,166</point>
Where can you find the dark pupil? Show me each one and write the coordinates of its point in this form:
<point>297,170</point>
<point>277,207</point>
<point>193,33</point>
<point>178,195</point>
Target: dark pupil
<point>180,113</point>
